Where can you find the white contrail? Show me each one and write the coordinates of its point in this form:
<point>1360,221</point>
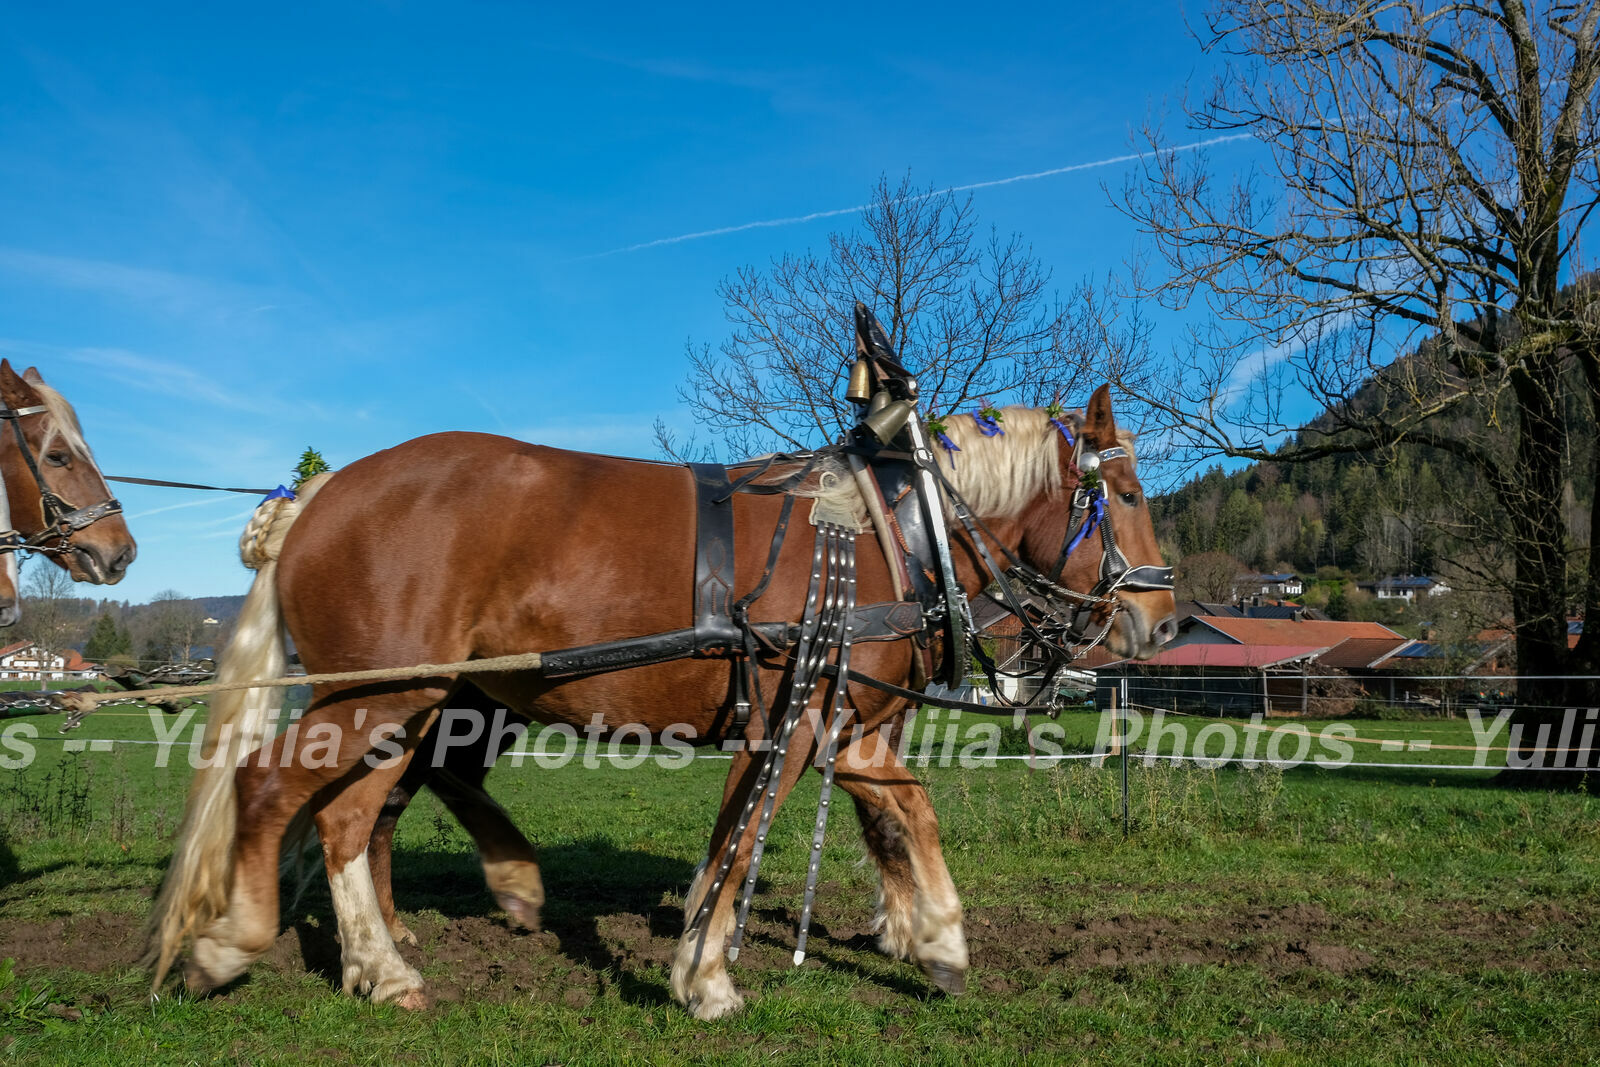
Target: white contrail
<point>813,216</point>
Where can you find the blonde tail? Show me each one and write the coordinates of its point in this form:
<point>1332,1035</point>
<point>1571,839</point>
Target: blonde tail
<point>195,891</point>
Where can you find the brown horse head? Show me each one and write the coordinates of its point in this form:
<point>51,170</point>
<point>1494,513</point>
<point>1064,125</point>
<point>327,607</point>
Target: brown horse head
<point>1145,618</point>
<point>92,547</point>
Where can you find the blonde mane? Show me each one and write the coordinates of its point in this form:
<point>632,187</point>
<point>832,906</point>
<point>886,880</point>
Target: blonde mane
<point>998,476</point>
<point>1001,475</point>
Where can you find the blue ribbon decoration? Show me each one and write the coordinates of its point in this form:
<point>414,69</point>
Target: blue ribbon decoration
<point>1058,424</point>
<point>1097,512</point>
<point>986,426</point>
<point>949,446</point>
<point>283,492</point>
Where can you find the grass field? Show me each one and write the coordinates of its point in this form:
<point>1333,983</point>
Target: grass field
<point>1363,915</point>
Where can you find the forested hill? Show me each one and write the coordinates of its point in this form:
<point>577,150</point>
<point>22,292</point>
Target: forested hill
<point>1368,520</point>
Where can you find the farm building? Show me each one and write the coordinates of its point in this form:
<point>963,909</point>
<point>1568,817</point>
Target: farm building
<point>1274,585</point>
<point>1236,666</point>
<point>1405,587</point>
<point>26,661</point>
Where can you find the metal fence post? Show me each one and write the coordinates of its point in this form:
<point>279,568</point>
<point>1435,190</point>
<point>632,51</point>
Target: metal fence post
<point>1122,743</point>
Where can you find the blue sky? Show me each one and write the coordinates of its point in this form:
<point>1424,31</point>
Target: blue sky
<point>229,234</point>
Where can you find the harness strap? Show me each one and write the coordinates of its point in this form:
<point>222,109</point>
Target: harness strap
<point>714,559</point>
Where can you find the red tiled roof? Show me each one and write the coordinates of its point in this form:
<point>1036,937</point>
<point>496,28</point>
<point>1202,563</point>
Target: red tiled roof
<point>16,647</point>
<point>1356,653</point>
<point>1324,634</point>
<point>1252,657</point>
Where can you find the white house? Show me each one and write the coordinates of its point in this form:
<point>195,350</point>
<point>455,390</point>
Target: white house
<point>26,661</point>
<point>1407,588</point>
<point>1286,584</point>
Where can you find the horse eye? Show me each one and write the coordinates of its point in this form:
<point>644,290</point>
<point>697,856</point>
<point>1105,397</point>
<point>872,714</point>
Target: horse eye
<point>1130,499</point>
<point>58,458</point>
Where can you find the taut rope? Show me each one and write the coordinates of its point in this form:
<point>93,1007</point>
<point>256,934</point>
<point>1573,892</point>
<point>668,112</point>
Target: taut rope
<point>79,705</point>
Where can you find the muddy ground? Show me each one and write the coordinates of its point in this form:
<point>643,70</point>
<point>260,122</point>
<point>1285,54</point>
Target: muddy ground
<point>479,956</point>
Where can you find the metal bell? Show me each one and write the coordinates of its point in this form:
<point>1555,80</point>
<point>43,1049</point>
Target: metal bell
<point>860,390</point>
<point>1089,460</point>
<point>889,420</point>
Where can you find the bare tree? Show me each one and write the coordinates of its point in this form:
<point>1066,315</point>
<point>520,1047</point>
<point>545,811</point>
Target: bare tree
<point>970,315</point>
<point>1425,176</point>
<point>172,626</point>
<point>52,617</point>
<point>1208,576</point>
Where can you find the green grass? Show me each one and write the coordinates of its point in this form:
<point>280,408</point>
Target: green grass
<point>1309,916</point>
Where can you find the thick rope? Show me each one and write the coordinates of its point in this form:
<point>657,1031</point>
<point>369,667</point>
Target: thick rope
<point>81,704</point>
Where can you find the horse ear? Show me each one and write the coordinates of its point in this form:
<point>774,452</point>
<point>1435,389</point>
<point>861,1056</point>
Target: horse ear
<point>1098,424</point>
<point>32,375</point>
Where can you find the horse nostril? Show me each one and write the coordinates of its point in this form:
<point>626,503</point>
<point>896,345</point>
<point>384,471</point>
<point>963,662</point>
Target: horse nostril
<point>9,613</point>
<point>120,561</point>
<point>1165,630</point>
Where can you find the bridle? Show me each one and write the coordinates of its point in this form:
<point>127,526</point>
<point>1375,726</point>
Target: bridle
<point>61,519</point>
<point>1061,627</point>
<point>1089,512</point>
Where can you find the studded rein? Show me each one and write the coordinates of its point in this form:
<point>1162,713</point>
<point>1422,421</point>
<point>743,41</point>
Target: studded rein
<point>61,519</point>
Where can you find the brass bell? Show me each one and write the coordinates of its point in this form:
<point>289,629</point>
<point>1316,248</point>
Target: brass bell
<point>887,422</point>
<point>860,390</point>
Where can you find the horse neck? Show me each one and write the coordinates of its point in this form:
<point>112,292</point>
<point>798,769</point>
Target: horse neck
<point>971,571</point>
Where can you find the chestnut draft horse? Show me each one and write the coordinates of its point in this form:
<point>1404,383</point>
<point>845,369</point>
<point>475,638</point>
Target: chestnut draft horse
<point>56,499</point>
<point>459,546</point>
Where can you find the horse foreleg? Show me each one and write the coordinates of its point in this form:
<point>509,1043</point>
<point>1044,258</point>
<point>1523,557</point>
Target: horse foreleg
<point>886,844</point>
<point>699,971</point>
<point>902,833</point>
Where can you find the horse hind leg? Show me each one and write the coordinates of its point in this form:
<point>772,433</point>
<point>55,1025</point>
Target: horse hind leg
<point>510,864</point>
<point>380,850</point>
<point>345,822</point>
<point>272,785</point>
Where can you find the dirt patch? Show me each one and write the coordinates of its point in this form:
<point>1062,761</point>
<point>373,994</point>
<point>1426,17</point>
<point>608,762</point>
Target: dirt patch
<point>573,961</point>
<point>94,943</point>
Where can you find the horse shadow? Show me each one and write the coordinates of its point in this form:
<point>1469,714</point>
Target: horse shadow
<point>586,882</point>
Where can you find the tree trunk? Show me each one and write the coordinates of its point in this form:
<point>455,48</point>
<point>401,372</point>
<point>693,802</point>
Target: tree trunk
<point>1547,735</point>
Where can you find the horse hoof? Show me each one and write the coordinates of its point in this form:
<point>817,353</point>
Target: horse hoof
<point>413,1000</point>
<point>715,1005</point>
<point>195,979</point>
<point>950,979</point>
<point>521,912</point>
<point>212,965</point>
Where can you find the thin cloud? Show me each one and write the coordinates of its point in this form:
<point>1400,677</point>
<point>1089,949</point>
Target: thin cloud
<point>175,507</point>
<point>139,371</point>
<point>792,220</point>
